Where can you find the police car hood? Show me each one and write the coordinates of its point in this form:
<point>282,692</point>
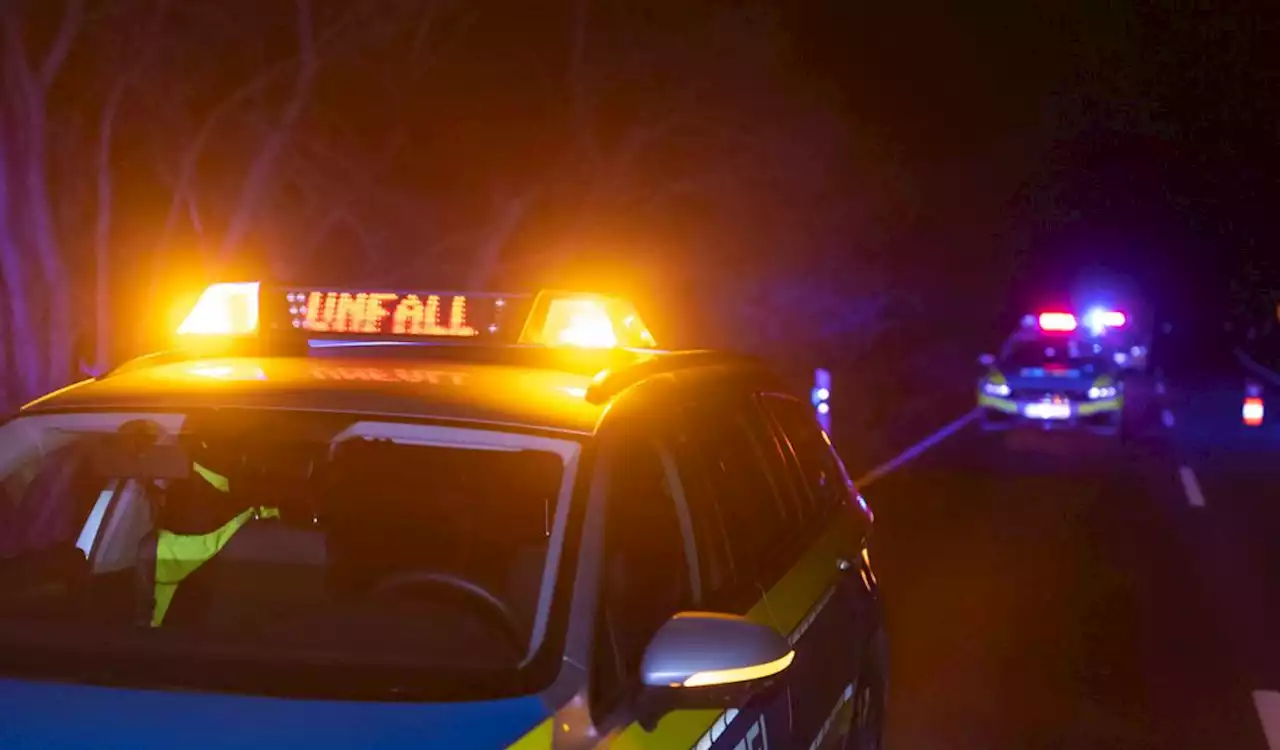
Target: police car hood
<point>61,715</point>
<point>1039,378</point>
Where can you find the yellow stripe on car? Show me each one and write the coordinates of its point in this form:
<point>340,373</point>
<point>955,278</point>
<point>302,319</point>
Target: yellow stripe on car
<point>788,607</point>
<point>999,404</point>
<point>1097,407</point>
<point>541,738</point>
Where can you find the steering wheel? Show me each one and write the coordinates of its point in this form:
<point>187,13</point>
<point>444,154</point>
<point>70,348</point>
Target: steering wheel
<point>491,605</point>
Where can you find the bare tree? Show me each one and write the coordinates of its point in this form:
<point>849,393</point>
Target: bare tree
<point>121,46</point>
<point>146,41</point>
<point>27,88</point>
<point>722,124</point>
<point>209,140</point>
<point>264,164</point>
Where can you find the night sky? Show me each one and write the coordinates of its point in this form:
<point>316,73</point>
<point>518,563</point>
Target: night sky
<point>1090,140</point>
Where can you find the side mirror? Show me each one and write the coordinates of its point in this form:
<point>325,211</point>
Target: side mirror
<point>987,360</point>
<point>703,660</point>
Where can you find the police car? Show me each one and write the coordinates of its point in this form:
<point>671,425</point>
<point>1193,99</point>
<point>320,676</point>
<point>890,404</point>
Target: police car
<point>1051,375</point>
<point>334,517</point>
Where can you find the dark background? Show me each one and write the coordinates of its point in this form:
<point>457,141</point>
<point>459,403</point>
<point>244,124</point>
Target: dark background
<point>878,188</point>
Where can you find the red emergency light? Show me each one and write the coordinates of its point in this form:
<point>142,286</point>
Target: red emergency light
<point>1252,412</point>
<point>1057,321</point>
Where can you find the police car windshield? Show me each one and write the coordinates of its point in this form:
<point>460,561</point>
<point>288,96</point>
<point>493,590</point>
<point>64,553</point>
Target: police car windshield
<point>1050,351</point>
<point>159,548</point>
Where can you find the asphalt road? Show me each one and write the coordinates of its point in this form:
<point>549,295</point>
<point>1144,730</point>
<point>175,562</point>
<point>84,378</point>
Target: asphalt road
<point>1050,592</point>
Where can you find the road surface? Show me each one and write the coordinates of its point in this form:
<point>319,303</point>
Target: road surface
<point>1085,594</point>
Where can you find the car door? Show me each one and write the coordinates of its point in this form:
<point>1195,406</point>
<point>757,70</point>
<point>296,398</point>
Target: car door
<point>835,527</point>
<point>743,515</point>
<point>645,579</point>
<point>666,548</point>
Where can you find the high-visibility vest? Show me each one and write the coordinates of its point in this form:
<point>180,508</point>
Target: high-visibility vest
<point>180,555</point>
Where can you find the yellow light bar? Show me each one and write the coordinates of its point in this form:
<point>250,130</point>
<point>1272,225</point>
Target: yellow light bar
<point>579,322</point>
<point>586,321</point>
<point>224,310</point>
<point>740,674</point>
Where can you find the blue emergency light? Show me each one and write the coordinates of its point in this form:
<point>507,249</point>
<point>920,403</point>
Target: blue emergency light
<point>821,396</point>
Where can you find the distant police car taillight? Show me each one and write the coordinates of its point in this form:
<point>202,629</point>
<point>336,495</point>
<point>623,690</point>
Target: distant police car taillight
<point>1252,412</point>
<point>1057,321</point>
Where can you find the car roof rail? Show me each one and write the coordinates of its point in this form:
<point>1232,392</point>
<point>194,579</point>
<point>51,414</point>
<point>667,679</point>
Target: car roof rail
<point>609,383</point>
<point>154,359</point>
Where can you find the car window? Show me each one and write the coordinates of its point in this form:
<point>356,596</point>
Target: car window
<point>715,562</point>
<point>361,545</point>
<point>779,466</point>
<point>646,574</point>
<point>755,518</point>
<point>824,476</point>
<point>1042,352</point>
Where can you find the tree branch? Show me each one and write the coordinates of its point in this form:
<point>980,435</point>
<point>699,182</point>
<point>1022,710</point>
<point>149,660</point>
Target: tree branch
<point>255,183</point>
<point>511,213</point>
<point>419,48</point>
<point>102,227</point>
<point>193,210</point>
<point>191,158</point>
<point>61,47</point>
<point>578,85</point>
<point>17,66</point>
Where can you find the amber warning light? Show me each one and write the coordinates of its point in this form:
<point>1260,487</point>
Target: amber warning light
<point>552,319</point>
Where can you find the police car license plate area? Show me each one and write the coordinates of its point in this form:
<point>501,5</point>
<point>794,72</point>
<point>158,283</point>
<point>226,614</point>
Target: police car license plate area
<point>1048,410</point>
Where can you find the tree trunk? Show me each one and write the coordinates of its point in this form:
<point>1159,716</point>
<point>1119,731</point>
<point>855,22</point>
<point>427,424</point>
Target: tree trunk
<point>182,189</point>
<point>27,89</point>
<point>44,244</point>
<point>24,374</point>
<point>102,232</point>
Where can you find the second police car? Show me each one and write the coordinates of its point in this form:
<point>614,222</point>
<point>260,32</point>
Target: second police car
<point>1053,373</point>
<point>367,519</point>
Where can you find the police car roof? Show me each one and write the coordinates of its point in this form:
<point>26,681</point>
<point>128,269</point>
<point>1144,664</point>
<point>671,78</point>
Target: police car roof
<point>539,389</point>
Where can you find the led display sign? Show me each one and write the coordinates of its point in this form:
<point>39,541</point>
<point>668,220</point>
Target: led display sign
<point>391,314</point>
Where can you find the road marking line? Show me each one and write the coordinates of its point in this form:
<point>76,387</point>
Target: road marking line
<point>1166,416</point>
<point>1160,387</point>
<point>1268,704</point>
<point>914,451</point>
<point>1191,486</point>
